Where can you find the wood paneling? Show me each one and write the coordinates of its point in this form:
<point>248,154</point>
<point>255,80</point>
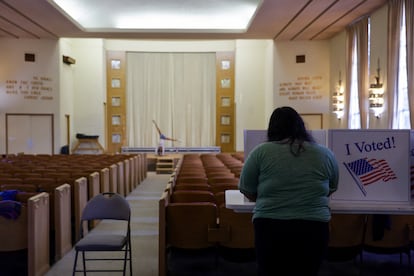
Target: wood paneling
<point>116,100</point>
<point>225,106</point>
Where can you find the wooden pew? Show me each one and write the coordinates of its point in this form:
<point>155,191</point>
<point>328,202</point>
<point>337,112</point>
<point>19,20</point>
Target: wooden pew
<point>38,234</point>
<point>104,180</point>
<point>121,178</point>
<point>113,178</point>
<point>127,176</point>
<point>80,190</point>
<point>63,235</point>
<point>94,184</point>
<point>162,234</point>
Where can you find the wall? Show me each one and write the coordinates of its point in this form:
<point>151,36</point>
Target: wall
<point>254,86</point>
<point>303,86</point>
<point>89,93</point>
<point>67,82</point>
<point>263,67</point>
<point>253,73</point>
<point>29,87</point>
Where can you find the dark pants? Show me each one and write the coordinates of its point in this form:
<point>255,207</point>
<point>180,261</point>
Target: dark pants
<point>290,247</point>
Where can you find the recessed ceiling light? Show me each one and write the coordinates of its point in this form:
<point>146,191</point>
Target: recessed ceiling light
<point>160,15</point>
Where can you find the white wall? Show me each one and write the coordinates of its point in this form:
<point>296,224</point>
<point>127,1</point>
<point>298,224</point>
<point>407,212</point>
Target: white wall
<point>89,93</point>
<point>303,86</point>
<point>254,86</point>
<point>67,89</point>
<point>45,68</point>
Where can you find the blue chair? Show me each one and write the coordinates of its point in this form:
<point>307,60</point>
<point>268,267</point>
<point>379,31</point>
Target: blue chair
<point>105,206</point>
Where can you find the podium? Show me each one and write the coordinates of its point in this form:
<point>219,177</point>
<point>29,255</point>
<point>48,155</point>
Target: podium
<point>88,144</point>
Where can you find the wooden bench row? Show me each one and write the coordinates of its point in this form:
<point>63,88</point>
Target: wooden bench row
<point>350,234</point>
<point>192,218</point>
<point>68,200</point>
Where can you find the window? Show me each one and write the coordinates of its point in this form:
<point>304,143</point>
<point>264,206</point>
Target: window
<point>354,113</point>
<point>402,113</point>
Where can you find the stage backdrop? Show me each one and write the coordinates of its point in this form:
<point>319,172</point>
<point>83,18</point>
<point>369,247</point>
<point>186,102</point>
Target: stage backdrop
<point>374,165</point>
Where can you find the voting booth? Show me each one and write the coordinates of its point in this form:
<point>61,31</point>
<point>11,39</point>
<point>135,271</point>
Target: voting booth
<point>375,170</point>
<point>254,137</point>
<point>374,165</point>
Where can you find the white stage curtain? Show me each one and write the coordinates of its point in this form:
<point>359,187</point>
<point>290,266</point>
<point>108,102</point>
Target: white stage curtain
<point>177,90</point>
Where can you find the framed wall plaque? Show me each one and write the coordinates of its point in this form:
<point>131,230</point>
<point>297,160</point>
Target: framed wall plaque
<point>116,101</point>
<point>225,102</point>
<point>225,120</point>
<point>116,138</point>
<point>116,64</point>
<point>225,64</point>
<point>225,138</point>
<point>116,120</point>
<point>225,83</point>
<point>313,120</point>
<point>116,83</point>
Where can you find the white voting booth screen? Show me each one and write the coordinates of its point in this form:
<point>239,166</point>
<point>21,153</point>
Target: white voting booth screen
<point>374,165</point>
<point>254,137</point>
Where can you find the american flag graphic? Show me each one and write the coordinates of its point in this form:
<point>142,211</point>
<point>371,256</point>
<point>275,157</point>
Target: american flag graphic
<point>367,171</point>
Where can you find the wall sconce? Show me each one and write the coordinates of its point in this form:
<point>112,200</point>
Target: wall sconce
<point>338,99</point>
<point>376,95</point>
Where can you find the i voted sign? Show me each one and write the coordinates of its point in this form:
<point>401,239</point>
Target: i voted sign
<point>374,165</point>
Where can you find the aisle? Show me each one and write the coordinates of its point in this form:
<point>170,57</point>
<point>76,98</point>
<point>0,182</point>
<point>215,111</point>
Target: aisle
<point>144,228</point>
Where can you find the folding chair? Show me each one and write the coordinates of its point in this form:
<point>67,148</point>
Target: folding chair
<point>105,206</point>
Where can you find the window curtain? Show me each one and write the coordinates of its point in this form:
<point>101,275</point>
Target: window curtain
<point>357,34</point>
<point>395,9</point>
<point>177,91</point>
<point>409,17</point>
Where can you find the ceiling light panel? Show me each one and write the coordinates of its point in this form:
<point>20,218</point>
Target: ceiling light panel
<point>160,15</point>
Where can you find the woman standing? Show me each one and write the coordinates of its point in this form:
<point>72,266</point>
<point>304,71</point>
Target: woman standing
<point>291,178</point>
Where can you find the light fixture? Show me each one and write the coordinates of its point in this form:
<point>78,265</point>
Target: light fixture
<point>338,99</point>
<point>376,94</point>
<point>159,16</point>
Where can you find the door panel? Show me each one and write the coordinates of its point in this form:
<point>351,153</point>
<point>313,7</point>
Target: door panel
<point>29,133</point>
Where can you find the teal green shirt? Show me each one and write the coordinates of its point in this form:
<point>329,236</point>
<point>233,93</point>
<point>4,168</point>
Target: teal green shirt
<point>289,186</point>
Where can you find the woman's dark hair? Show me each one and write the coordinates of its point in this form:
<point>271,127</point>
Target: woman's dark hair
<point>286,124</point>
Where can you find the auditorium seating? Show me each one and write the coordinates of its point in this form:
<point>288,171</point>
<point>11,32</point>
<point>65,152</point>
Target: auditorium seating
<point>234,230</point>
<point>390,234</point>
<point>69,181</point>
<point>343,246</point>
<point>200,180</point>
<point>187,196</point>
<point>28,233</point>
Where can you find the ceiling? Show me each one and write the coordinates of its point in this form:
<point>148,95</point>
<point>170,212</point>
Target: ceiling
<point>275,19</point>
